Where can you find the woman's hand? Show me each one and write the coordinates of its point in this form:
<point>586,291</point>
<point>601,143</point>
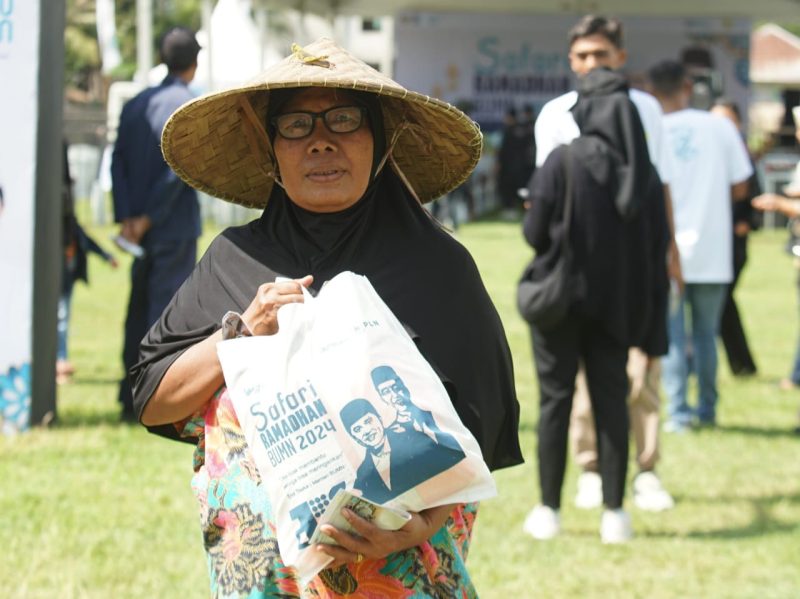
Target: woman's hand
<point>376,543</point>
<point>261,316</point>
<point>194,377</point>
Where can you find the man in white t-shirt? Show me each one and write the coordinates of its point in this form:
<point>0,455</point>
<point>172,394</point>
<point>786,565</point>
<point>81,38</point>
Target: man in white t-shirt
<point>597,41</point>
<point>711,168</point>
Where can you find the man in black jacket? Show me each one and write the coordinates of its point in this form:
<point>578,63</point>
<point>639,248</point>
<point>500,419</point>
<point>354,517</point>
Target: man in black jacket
<point>617,236</point>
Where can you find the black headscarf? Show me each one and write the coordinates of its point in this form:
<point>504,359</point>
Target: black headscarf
<point>427,279</point>
<point>605,115</point>
<point>618,231</point>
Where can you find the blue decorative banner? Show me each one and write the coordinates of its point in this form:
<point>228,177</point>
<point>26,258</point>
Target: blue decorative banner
<point>19,68</point>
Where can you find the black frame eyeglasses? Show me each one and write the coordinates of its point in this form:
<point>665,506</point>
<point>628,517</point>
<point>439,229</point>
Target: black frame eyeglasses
<point>300,124</point>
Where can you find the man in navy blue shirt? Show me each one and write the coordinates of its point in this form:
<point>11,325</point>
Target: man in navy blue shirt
<point>157,211</point>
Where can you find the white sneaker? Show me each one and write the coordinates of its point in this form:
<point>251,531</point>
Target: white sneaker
<point>542,523</point>
<point>649,494</point>
<point>615,526</point>
<point>590,491</point>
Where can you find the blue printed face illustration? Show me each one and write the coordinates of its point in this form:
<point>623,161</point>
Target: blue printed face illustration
<point>683,144</point>
<point>395,393</point>
<point>368,430</point>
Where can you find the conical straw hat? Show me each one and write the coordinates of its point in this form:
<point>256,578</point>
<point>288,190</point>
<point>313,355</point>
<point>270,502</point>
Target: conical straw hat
<point>218,144</point>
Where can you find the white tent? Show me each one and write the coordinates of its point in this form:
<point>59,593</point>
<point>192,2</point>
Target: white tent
<point>233,49</point>
<point>764,9</point>
<point>237,45</point>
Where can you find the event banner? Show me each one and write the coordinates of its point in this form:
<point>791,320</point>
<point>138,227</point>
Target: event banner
<point>19,60</point>
<point>488,63</point>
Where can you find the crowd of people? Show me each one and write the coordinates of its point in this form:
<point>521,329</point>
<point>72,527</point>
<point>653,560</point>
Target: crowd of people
<point>653,198</point>
<point>516,158</point>
<point>709,195</point>
<point>704,187</point>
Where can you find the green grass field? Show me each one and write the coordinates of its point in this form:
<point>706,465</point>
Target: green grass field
<point>92,508</point>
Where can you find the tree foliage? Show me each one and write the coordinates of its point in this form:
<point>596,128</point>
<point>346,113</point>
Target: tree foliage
<point>80,34</point>
<point>80,40</point>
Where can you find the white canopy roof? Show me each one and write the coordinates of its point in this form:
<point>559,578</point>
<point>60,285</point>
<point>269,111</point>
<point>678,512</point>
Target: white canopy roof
<point>761,9</point>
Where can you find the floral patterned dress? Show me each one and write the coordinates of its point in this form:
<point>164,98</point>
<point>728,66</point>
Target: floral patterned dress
<point>239,532</point>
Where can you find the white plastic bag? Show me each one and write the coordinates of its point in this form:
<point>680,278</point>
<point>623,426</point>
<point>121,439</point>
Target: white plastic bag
<point>340,398</point>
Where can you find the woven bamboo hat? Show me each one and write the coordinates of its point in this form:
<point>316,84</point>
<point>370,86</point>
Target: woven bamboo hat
<point>218,144</point>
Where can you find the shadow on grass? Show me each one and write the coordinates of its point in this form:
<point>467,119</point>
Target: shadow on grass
<point>761,524</point>
<point>79,419</point>
<point>757,431</point>
<point>497,217</point>
<point>93,380</point>
<point>754,431</point>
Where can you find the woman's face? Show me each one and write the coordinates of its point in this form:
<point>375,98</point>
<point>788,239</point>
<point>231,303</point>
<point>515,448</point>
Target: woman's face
<point>326,171</point>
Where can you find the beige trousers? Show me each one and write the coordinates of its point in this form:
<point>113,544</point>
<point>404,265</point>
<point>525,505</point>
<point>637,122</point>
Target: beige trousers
<point>643,406</point>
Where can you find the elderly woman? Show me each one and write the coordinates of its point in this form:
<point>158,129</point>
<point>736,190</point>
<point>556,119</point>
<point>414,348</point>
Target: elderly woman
<point>340,158</point>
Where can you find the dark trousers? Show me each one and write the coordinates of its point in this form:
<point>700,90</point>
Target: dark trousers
<point>557,353</point>
<point>733,337</point>
<point>154,280</point>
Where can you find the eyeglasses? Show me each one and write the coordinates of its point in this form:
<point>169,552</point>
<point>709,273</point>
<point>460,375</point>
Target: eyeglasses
<point>340,119</point>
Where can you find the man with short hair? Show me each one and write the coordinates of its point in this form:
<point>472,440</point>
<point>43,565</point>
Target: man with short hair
<point>595,42</point>
<point>157,210</point>
<point>712,168</point>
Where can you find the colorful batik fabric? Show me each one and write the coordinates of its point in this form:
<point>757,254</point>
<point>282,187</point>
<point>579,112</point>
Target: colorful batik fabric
<point>242,548</point>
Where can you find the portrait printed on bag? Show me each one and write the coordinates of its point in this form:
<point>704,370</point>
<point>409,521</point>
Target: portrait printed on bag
<point>402,455</point>
<point>395,394</point>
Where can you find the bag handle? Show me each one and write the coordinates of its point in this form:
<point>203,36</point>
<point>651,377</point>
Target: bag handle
<point>565,246</point>
<point>289,312</point>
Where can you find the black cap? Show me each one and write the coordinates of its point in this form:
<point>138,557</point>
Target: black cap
<point>179,48</point>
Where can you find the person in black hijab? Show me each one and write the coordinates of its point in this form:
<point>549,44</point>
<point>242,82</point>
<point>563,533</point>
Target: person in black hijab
<point>618,235</point>
<point>345,197</point>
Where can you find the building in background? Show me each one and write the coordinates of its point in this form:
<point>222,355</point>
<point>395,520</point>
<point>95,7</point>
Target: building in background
<point>775,90</point>
<point>775,76</point>
<point>484,63</point>
<point>239,41</point>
